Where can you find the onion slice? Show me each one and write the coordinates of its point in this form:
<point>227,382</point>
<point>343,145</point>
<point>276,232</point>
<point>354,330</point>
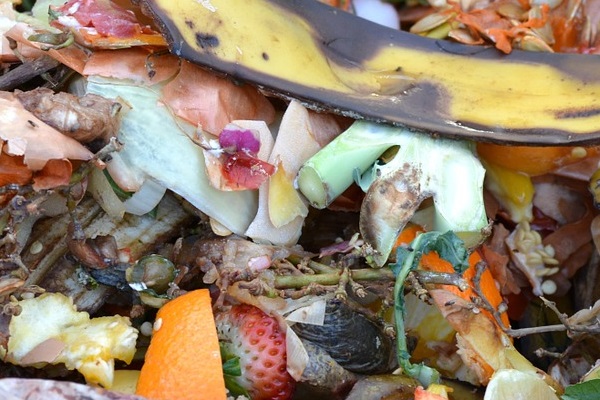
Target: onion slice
<point>146,199</point>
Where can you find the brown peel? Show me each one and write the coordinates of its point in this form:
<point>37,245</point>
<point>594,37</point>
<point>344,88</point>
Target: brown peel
<point>389,204</point>
<point>26,135</point>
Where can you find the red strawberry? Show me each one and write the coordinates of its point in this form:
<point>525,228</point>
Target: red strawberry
<point>256,338</point>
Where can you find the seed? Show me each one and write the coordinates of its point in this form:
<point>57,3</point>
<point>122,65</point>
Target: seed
<point>546,271</point>
<point>550,261</point>
<point>36,247</point>
<point>549,287</point>
<point>520,235</point>
<point>533,258</point>
<point>157,324</point>
<point>146,328</point>
<point>550,250</point>
<point>537,238</point>
<point>578,152</point>
<point>525,245</point>
<point>511,11</point>
<point>430,22</point>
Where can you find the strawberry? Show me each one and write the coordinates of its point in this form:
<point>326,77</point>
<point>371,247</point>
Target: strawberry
<point>254,353</point>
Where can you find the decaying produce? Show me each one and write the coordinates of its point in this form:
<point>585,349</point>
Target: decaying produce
<point>342,63</point>
<point>216,181</point>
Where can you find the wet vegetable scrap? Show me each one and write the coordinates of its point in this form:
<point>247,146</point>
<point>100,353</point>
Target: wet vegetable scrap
<point>260,232</point>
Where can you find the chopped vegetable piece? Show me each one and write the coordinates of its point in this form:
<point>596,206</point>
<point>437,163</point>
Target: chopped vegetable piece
<point>183,360</point>
<point>433,392</point>
<point>433,262</point>
<point>242,169</point>
<point>157,145</point>
<point>125,381</point>
<point>423,167</point>
<point>49,330</point>
<point>282,210</point>
<point>482,345</point>
<point>284,202</point>
<point>327,174</point>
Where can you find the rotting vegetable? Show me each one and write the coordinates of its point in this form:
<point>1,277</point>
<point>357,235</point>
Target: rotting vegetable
<point>450,248</point>
<point>423,167</point>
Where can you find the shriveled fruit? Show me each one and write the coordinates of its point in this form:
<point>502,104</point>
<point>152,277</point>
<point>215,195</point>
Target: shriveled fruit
<point>259,342</point>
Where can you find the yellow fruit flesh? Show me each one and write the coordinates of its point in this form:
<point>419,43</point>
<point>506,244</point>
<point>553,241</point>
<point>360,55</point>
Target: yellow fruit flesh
<point>537,94</point>
<point>49,330</point>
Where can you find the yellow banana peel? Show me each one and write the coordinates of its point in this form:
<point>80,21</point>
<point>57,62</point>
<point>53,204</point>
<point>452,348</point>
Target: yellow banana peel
<point>327,58</point>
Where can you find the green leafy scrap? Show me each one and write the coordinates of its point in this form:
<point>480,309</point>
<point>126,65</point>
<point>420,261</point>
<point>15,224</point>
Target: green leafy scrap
<point>589,390</point>
<point>450,248</point>
<point>231,371</point>
<point>447,245</point>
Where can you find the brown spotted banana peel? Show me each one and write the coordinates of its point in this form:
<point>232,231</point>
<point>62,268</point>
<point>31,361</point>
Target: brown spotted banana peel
<point>338,62</point>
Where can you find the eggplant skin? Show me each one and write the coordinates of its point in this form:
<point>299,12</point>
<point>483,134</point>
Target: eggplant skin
<point>351,339</point>
<point>335,61</point>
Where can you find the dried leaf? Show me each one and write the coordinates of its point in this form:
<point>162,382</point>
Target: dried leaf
<point>85,118</point>
<point>211,102</point>
<point>137,64</point>
<point>55,173</point>
<point>28,136</point>
<point>13,170</point>
<point>73,57</point>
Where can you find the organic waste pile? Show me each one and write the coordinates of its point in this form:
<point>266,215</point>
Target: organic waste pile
<point>171,232</point>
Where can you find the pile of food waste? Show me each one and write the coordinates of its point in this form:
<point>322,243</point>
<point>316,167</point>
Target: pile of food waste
<point>292,199</point>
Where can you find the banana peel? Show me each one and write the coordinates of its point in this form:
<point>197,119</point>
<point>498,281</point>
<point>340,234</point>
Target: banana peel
<point>335,61</point>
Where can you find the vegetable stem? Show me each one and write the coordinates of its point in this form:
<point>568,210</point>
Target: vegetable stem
<point>449,247</point>
<point>331,171</point>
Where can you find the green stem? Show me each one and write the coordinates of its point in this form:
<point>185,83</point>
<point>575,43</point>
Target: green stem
<point>300,281</point>
<point>328,173</point>
<point>422,373</point>
<point>318,267</point>
<point>332,277</point>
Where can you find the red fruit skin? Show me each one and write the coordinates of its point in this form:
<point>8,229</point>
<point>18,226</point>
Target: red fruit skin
<point>258,340</point>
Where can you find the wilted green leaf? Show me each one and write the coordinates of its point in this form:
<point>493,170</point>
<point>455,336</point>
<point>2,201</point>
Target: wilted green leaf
<point>589,390</point>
